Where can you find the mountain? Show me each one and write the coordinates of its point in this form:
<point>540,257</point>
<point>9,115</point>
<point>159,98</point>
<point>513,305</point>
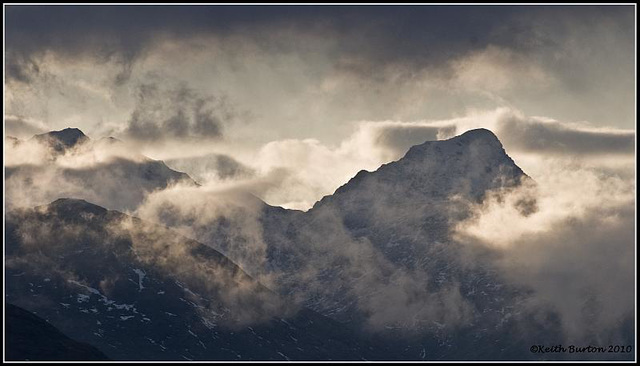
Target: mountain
<point>397,220</point>
<point>382,253</point>
<point>394,227</point>
<point>374,271</point>
<point>29,337</point>
<point>105,171</point>
<point>379,254</point>
<point>426,192</point>
<point>62,140</point>
<point>138,291</point>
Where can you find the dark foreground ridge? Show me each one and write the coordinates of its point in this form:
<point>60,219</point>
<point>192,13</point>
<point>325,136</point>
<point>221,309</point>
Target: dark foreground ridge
<point>29,337</point>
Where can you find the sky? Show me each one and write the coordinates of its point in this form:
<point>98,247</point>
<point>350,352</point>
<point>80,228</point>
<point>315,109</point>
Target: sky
<point>255,82</point>
<point>290,102</point>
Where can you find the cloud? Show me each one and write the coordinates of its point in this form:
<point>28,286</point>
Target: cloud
<point>16,126</point>
<point>583,208</point>
<point>170,112</point>
<point>30,152</point>
<point>310,169</point>
<point>405,302</point>
<point>498,70</point>
<point>107,172</point>
<point>212,167</point>
<point>551,240</point>
<point>124,34</point>
<point>214,277</point>
<point>521,133</point>
<point>307,71</point>
<point>575,252</point>
<point>221,292</point>
<point>295,173</point>
<point>361,277</point>
<point>552,137</point>
<point>579,205</point>
<point>390,140</point>
<point>21,68</point>
<point>228,219</point>
<point>292,63</point>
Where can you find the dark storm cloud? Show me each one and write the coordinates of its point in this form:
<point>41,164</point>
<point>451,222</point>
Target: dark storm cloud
<point>367,37</point>
<point>557,138</point>
<point>116,33</point>
<point>20,67</point>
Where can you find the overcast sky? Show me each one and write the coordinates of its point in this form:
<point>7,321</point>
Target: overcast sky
<point>307,71</point>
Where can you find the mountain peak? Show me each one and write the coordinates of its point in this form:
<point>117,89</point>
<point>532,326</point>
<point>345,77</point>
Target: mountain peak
<point>479,134</point>
<point>64,206</point>
<point>63,139</point>
<point>480,142</point>
<point>469,165</point>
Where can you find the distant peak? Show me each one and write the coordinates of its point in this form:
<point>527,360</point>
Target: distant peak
<point>64,201</point>
<point>65,138</point>
<point>75,206</point>
<point>456,144</point>
<point>479,134</point>
<point>71,130</point>
<point>69,133</point>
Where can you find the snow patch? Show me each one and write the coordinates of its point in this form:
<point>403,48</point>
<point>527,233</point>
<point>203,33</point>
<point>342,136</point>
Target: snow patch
<point>141,274</point>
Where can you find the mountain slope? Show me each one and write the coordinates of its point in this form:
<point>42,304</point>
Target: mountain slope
<point>29,337</point>
<point>469,164</point>
<point>423,193</point>
<point>139,291</point>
